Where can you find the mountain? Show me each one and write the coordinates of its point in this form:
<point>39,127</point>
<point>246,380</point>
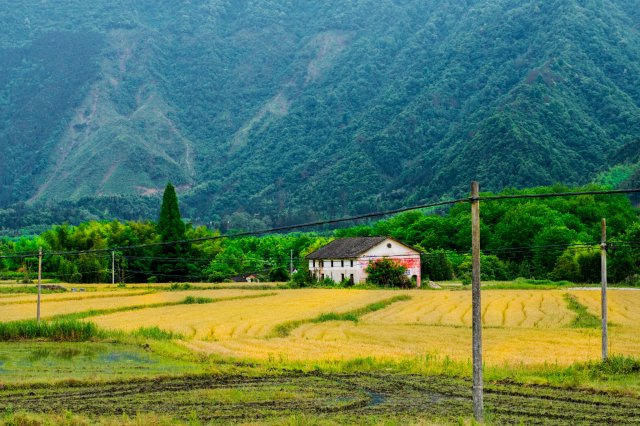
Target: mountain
<point>275,112</point>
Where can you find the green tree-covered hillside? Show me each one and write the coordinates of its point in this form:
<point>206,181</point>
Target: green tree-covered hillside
<point>277,112</point>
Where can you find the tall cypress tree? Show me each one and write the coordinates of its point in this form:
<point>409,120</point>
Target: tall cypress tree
<point>170,225</point>
<point>171,228</point>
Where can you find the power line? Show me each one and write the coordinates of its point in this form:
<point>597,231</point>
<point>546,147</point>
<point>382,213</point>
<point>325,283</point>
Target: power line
<point>342,220</point>
<point>558,194</point>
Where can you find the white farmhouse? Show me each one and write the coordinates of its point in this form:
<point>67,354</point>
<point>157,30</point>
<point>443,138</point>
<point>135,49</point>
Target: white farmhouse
<point>347,258</point>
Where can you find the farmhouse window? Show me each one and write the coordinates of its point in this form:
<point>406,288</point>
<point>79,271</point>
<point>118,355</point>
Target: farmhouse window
<point>322,263</point>
<point>352,263</point>
<point>342,264</point>
<point>332,263</point>
<point>342,277</point>
<point>314,263</point>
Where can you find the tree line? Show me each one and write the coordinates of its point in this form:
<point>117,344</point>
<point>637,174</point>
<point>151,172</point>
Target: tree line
<point>552,238</point>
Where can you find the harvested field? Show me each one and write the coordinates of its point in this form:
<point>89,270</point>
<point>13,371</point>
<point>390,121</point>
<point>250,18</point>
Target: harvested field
<point>240,319</point>
<point>56,297</point>
<point>53,306</point>
<point>530,327</point>
<point>624,305</point>
<point>500,308</point>
<point>346,340</point>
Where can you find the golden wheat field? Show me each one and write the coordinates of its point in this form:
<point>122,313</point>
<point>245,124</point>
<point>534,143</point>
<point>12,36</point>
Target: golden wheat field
<point>68,303</point>
<point>240,319</point>
<point>520,326</point>
<point>624,306</point>
<point>56,297</point>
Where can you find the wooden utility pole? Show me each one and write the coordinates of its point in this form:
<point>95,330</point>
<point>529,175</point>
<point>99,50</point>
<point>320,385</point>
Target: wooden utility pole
<point>113,267</point>
<point>478,404</point>
<point>291,264</point>
<point>603,275</point>
<point>39,284</point>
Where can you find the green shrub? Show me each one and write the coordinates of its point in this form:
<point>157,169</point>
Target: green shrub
<point>388,273</point>
<point>278,275</point>
<point>437,266</point>
<point>632,280</point>
<point>346,283</point>
<point>179,286</point>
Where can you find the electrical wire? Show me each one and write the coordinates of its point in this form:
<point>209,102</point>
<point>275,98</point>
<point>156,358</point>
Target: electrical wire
<point>341,220</point>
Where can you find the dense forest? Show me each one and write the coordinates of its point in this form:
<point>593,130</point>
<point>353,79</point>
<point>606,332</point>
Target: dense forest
<point>272,112</point>
<point>551,238</point>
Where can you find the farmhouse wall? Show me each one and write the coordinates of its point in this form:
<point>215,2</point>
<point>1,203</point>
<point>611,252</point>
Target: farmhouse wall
<point>391,249</point>
<point>340,269</point>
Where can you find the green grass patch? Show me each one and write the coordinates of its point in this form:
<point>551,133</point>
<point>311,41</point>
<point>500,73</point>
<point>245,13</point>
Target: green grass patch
<point>332,316</point>
<point>191,300</point>
<point>57,330</point>
<point>37,363</point>
<point>74,331</point>
<point>527,284</point>
<point>616,365</point>
<point>156,333</point>
<point>284,329</point>
<point>584,318</point>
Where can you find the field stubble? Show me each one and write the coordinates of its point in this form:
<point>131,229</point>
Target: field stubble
<point>526,327</point>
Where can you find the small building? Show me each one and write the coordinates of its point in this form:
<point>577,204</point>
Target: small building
<point>245,278</point>
<point>348,258</point>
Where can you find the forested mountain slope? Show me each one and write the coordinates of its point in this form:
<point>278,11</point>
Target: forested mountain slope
<point>283,111</point>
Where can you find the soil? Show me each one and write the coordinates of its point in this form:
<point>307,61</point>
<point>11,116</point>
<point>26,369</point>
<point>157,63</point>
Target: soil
<point>239,398</point>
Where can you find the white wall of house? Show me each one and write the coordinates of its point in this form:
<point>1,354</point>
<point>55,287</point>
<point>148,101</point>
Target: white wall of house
<point>391,249</point>
<point>339,269</point>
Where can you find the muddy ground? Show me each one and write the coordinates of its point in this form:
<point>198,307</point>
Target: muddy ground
<point>238,398</point>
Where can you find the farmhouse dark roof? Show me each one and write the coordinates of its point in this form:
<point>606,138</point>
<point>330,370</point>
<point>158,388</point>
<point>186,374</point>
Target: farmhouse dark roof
<point>345,248</point>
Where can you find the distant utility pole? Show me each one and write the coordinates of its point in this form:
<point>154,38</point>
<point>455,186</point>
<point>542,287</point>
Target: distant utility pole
<point>478,404</point>
<point>39,284</point>
<point>113,267</point>
<point>603,274</point>
<point>291,264</point>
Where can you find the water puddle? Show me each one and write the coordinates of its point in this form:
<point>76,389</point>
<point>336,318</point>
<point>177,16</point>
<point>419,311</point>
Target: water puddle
<point>129,357</point>
<point>375,398</point>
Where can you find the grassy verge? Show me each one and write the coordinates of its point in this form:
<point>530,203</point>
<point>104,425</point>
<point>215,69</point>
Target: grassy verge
<point>74,331</point>
<point>59,330</point>
<point>26,289</point>
<point>284,329</point>
<point>584,318</point>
